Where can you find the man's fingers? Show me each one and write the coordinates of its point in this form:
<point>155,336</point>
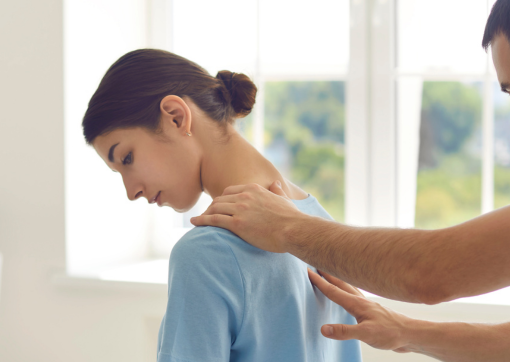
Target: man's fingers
<point>341,284</point>
<point>221,221</point>
<point>341,332</point>
<point>221,208</point>
<point>276,188</point>
<point>337,295</point>
<point>228,198</point>
<point>236,189</point>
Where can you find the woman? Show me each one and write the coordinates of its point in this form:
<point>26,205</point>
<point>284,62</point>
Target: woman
<point>166,126</point>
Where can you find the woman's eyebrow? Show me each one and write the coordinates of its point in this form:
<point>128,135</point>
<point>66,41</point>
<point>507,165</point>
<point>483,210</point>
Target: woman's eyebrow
<point>110,153</point>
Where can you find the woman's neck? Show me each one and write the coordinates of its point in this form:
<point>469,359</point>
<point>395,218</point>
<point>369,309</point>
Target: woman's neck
<point>236,162</point>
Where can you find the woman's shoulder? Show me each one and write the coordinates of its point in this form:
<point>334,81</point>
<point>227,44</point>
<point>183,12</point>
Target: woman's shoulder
<point>205,236</point>
<point>204,252</point>
<point>205,242</point>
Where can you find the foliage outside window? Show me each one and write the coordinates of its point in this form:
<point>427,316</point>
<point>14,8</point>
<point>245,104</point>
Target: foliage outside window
<point>304,137</point>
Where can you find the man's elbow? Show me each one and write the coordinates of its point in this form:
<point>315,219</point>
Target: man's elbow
<point>430,291</point>
<point>433,297</point>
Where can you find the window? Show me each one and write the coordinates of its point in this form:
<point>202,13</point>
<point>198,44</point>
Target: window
<point>501,148</point>
<point>462,115</point>
<point>299,115</point>
<point>449,165</point>
<point>305,127</point>
<point>449,181</point>
<point>290,61</point>
<point>365,104</point>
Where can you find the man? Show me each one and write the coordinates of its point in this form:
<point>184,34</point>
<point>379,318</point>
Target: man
<point>403,264</point>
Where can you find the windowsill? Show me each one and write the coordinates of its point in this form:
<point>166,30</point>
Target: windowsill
<point>151,276</point>
<point>499,297</point>
<point>144,276</point>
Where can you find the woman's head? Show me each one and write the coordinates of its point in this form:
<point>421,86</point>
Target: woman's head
<point>146,106</point>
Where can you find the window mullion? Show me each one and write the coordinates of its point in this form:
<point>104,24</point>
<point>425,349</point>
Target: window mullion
<point>258,111</point>
<point>357,130</point>
<point>382,118</point>
<point>488,136</point>
<point>488,144</point>
<point>371,129</point>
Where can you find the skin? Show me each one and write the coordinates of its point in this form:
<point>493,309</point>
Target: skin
<point>409,265</point>
<point>385,329</point>
<point>180,167</point>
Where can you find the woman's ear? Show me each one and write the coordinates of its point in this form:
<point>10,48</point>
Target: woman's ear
<point>176,113</point>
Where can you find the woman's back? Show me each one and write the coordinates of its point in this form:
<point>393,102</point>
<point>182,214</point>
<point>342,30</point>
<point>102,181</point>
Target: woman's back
<point>229,301</point>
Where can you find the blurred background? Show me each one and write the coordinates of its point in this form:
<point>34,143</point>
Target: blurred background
<point>388,111</point>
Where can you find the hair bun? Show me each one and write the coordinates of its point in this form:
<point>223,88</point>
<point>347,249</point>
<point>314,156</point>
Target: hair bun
<point>242,92</point>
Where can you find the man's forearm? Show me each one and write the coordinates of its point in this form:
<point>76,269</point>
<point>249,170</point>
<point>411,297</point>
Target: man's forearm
<point>421,266</point>
<point>381,261</point>
<point>459,342</point>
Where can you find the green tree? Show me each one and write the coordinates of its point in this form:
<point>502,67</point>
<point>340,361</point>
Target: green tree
<point>309,118</point>
<point>450,112</point>
<point>449,180</point>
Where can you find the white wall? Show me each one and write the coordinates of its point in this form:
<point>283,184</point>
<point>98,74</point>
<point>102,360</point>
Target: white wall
<point>103,227</point>
<point>39,320</point>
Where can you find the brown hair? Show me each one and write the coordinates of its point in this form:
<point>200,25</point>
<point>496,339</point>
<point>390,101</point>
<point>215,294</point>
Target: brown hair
<point>130,92</point>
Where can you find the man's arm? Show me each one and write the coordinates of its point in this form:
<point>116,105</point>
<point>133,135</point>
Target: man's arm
<point>383,328</point>
<point>404,264</point>
<point>424,266</point>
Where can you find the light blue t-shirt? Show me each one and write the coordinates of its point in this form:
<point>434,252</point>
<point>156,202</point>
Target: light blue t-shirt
<point>230,301</point>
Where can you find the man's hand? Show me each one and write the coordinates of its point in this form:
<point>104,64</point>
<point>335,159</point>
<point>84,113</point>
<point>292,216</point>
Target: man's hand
<point>256,215</point>
<point>383,328</point>
<point>377,326</point>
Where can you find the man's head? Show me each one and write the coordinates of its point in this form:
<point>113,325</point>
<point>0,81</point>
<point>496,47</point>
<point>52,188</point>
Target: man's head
<point>497,36</point>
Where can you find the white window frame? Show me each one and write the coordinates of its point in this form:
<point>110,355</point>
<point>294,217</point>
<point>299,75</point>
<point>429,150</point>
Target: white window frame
<point>375,169</point>
<point>381,168</point>
<point>379,132</point>
<point>161,35</point>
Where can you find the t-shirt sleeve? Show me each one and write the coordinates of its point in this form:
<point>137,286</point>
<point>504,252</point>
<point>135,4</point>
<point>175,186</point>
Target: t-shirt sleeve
<point>205,307</point>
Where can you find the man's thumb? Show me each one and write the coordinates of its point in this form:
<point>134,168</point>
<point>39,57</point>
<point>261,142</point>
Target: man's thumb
<point>339,332</point>
<point>276,188</point>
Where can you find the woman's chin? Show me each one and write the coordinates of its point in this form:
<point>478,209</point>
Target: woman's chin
<point>184,204</point>
<point>182,209</point>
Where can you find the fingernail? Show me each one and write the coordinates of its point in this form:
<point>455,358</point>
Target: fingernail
<point>328,331</point>
<point>278,183</point>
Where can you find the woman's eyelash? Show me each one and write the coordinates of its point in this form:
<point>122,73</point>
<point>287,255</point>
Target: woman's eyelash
<point>128,159</point>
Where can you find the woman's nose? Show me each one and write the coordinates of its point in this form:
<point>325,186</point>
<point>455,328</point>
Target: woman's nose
<point>138,194</point>
<point>133,190</point>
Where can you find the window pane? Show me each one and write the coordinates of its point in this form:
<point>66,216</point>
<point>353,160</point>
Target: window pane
<point>449,176</point>
<point>439,35</point>
<point>245,127</point>
<point>304,137</point>
<point>501,148</point>
<point>296,38</point>
<point>217,35</point>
